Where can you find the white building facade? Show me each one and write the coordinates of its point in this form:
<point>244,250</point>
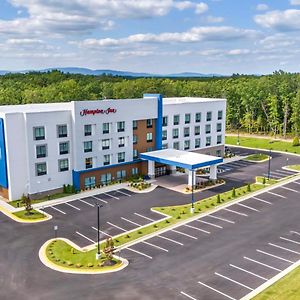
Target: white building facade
<point>91,143</point>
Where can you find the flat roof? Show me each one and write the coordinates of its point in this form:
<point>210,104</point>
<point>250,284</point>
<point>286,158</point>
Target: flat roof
<point>183,159</point>
<point>182,100</point>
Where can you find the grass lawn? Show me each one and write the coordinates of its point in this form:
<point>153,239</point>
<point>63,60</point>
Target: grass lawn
<point>263,144</point>
<point>294,167</point>
<point>287,288</point>
<point>35,215</point>
<point>257,157</point>
<point>62,254</point>
<point>260,179</point>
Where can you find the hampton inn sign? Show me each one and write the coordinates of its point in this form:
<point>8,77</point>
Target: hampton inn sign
<point>107,111</point>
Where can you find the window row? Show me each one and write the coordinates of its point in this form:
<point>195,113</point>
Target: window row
<point>39,132</point>
<point>41,168</point>
<point>42,150</point>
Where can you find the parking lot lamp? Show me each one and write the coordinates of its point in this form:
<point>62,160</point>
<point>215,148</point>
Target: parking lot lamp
<point>98,254</point>
<point>193,196</point>
<point>269,165</point>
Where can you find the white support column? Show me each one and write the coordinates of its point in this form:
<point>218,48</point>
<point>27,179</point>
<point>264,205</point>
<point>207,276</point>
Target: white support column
<point>190,181</point>
<point>213,172</point>
<point>151,169</point>
<point>172,169</point>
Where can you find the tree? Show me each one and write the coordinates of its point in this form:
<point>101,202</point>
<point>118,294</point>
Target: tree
<point>27,202</point>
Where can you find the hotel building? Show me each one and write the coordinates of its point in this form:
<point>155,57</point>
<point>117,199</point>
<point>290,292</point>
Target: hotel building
<point>91,143</point>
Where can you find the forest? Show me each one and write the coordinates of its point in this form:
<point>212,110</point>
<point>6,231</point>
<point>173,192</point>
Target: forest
<point>267,104</point>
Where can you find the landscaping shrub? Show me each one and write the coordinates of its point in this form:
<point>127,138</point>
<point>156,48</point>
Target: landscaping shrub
<point>233,193</point>
<point>90,265</point>
<point>248,187</point>
<point>218,198</point>
<point>78,265</point>
<point>296,141</point>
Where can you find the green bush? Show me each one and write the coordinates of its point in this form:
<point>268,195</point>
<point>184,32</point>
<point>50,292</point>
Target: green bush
<point>218,199</point>
<point>248,187</point>
<point>233,193</point>
<point>296,141</point>
<point>264,180</point>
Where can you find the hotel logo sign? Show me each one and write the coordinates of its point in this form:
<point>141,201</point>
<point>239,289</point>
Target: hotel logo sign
<point>97,111</point>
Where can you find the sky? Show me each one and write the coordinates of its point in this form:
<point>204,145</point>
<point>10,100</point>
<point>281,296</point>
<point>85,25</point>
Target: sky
<point>155,36</point>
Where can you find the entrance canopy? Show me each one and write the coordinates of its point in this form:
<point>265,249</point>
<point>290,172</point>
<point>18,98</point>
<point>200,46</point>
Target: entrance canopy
<point>183,159</point>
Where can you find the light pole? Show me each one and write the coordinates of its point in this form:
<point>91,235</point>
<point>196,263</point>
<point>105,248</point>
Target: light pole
<point>269,165</point>
<point>98,254</point>
<point>193,196</point>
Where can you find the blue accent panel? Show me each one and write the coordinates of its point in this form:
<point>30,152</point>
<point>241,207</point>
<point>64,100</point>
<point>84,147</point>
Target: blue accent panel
<point>3,161</point>
<point>76,180</point>
<point>159,120</point>
<point>182,165</point>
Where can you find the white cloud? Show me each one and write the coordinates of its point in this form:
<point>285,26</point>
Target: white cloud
<point>238,52</point>
<point>295,2</point>
<point>262,6</point>
<point>201,8</point>
<point>278,41</point>
<point>287,20</point>
<point>212,19</point>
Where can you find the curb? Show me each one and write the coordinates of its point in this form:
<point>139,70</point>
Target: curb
<point>289,169</point>
<point>271,281</point>
<point>20,220</point>
<point>44,259</point>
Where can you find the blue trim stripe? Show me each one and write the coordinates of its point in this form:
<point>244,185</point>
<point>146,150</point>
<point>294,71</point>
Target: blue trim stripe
<point>159,120</point>
<point>3,160</point>
<point>182,165</point>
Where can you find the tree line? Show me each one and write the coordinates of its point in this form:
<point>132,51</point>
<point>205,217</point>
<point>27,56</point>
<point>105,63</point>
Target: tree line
<point>266,104</point>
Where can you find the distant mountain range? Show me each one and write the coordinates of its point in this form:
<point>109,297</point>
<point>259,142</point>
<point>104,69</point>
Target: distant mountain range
<point>85,71</point>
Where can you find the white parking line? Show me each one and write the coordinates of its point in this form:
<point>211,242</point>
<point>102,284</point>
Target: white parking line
<point>278,172</point>
<point>146,218</point>
<point>283,248</point>
<point>129,221</point>
<point>185,234</point>
<point>289,240</point>
<point>295,232</point>
<point>287,172</point>
<point>101,231</point>
<point>213,289</point>
<point>249,207</point>
<point>72,205</point>
<point>170,240</point>
<point>196,228</point>
<point>275,256</point>
<point>155,246</point>
<point>86,203</point>
<point>222,219</point>
<point>118,191</point>
<point>116,226</point>
<point>234,281</point>
<point>87,238</point>
<point>208,223</point>
<point>276,195</point>
<point>272,176</point>
<point>235,212</point>
<point>295,182</point>
<point>289,189</point>
<point>246,271</point>
<point>260,263</point>
<point>62,212</point>
<point>99,199</point>
<point>261,200</point>
<point>187,295</point>
<point>111,196</point>
<point>138,252</point>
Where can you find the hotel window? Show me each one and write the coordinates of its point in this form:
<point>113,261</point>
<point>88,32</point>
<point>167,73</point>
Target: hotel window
<point>105,178</point>
<point>135,139</point>
<point>121,126</point>
<point>219,127</point>
<point>63,148</point>
<point>149,149</point>
<point>149,123</point>
<point>175,133</point>
<point>176,145</point>
<point>164,135</point>
<point>62,131</point>
<point>121,174</point>
<point>105,144</point>
<point>105,128</point>
<point>63,165</point>
<point>89,163</point>
<point>198,117</point>
<point>106,160</point>
<point>208,116</point>
<point>219,153</point>
<point>88,146</point>
<point>186,132</point>
<point>39,133</point>
<point>134,124</point>
<point>207,128</point>
<point>41,151</point>
<point>187,145</point>
<point>134,171</point>
<point>219,139</point>
<point>197,130</point>
<point>176,120</point>
<point>208,141</point>
<point>197,143</point>
<point>149,137</point>
<point>90,182</point>
<point>165,121</point>
<point>121,157</point>
<point>220,114</point>
<point>187,118</point>
<point>121,142</point>
<point>87,130</point>
<point>135,154</point>
<point>164,146</point>
<point>41,169</point>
